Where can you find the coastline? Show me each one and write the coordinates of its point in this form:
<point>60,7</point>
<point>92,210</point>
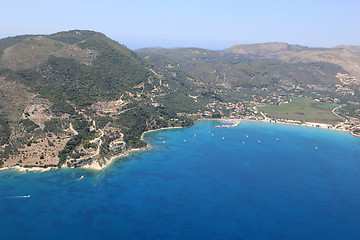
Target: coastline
<point>104,163</point>
<point>97,165</point>
<point>154,130</point>
<point>30,169</point>
<point>306,124</point>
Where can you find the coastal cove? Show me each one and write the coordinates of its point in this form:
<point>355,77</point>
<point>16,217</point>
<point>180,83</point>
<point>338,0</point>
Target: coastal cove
<point>223,122</point>
<point>254,181</point>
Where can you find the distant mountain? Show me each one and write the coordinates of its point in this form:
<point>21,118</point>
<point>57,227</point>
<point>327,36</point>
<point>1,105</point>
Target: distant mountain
<point>261,64</point>
<point>347,57</point>
<point>264,49</point>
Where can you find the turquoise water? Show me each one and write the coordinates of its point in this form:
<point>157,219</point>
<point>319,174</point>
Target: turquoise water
<point>209,187</point>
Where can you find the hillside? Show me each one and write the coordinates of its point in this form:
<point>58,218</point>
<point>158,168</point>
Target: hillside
<point>244,70</point>
<point>347,57</point>
<point>78,98</point>
<point>62,93</point>
<point>261,64</point>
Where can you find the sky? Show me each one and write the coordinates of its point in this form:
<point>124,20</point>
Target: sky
<point>190,23</point>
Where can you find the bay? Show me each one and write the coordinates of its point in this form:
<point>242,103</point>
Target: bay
<point>254,181</point>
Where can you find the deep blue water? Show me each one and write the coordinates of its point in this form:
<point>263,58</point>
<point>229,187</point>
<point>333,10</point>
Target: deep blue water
<point>205,188</point>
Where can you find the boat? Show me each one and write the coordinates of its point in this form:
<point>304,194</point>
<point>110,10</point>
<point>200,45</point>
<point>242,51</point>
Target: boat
<point>80,178</point>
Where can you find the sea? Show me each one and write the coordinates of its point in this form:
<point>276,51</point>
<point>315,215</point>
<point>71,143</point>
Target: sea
<point>254,181</point>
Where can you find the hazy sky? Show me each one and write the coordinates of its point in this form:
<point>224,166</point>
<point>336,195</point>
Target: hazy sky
<point>190,23</point>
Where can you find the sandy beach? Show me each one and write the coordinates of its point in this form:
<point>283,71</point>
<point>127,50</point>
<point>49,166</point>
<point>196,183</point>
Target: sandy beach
<point>154,130</point>
<point>31,169</point>
<point>308,124</point>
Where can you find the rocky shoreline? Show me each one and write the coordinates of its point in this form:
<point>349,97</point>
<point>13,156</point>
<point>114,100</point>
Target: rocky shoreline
<point>100,164</point>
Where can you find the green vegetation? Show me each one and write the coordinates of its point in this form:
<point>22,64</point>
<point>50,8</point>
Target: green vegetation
<point>77,82</point>
<point>72,37</point>
<point>53,125</point>
<point>142,118</point>
<point>4,131</point>
<point>8,150</point>
<point>83,136</point>
<point>29,125</point>
<point>104,148</point>
<point>177,102</point>
<point>87,145</point>
<point>241,70</point>
<point>122,67</point>
<point>37,83</point>
<point>303,109</point>
<point>7,42</point>
<point>102,121</point>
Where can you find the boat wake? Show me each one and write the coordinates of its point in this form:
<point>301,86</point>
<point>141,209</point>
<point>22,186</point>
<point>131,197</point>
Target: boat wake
<point>13,197</point>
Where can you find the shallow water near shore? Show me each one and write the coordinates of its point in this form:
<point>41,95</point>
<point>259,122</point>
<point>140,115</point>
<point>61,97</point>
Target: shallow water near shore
<point>254,181</point>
